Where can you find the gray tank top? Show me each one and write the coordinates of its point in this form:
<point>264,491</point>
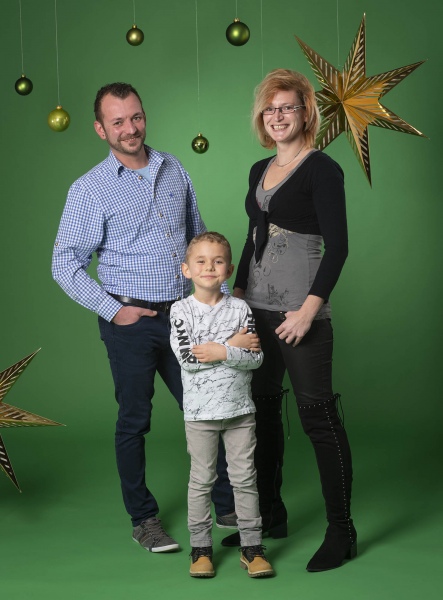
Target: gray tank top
<point>285,273</point>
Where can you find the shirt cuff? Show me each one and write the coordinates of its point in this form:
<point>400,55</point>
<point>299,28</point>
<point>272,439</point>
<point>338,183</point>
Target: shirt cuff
<point>109,308</point>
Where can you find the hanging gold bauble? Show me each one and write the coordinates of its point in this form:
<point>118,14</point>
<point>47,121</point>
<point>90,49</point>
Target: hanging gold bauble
<point>200,144</point>
<point>59,119</point>
<point>237,33</point>
<point>23,86</point>
<point>135,36</point>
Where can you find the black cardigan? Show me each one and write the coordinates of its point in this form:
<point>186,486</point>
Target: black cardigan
<point>311,201</point>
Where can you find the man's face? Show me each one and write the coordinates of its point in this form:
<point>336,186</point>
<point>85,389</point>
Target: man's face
<point>123,125</point>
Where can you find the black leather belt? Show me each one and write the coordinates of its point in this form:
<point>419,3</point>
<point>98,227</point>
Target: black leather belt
<point>164,307</point>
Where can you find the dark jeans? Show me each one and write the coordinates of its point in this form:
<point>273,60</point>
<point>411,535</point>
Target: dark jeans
<point>136,352</point>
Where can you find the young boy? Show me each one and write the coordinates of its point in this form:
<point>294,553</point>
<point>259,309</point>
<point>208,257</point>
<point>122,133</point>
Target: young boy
<point>217,400</point>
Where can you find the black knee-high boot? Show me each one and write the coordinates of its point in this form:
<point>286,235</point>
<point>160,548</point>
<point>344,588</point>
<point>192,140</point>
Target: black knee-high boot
<point>322,423</point>
<point>268,460</point>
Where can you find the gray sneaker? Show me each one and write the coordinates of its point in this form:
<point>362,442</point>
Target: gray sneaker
<point>227,521</point>
<point>151,535</point>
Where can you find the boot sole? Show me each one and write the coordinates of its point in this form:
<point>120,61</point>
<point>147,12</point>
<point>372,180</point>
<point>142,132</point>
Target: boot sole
<point>258,574</point>
<point>168,548</point>
<point>352,553</point>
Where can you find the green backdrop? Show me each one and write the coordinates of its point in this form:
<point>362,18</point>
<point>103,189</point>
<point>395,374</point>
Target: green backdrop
<point>67,534</point>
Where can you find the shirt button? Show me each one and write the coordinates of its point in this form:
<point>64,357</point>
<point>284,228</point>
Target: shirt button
<point>177,276</point>
<point>140,177</point>
<point>179,297</point>
<point>168,235</point>
<point>160,214</point>
<point>174,254</point>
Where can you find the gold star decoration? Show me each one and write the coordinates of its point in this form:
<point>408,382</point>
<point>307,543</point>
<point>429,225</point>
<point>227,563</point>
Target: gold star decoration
<point>349,101</point>
<point>10,416</point>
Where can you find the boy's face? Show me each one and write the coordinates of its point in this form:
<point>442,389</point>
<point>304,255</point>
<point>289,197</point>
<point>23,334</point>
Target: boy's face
<point>208,266</point>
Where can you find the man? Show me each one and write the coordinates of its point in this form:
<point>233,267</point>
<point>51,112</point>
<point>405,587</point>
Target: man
<point>137,210</point>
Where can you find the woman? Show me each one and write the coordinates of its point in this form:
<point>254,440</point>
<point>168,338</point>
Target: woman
<point>295,203</point>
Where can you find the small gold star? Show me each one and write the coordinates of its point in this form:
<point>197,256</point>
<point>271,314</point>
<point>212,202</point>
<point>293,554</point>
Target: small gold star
<point>349,101</point>
<point>10,416</point>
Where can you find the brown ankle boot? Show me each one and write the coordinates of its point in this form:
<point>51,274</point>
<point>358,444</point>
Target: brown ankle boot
<point>201,562</point>
<point>253,559</point>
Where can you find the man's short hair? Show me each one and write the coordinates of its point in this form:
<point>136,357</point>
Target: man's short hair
<point>119,90</point>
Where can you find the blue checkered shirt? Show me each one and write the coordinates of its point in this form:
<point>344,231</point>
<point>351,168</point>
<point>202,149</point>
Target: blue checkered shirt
<point>139,231</point>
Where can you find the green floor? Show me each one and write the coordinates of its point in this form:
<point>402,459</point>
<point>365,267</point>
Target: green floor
<point>67,535</point>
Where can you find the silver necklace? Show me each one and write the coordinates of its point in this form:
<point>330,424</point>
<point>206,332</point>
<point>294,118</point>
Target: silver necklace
<point>291,158</point>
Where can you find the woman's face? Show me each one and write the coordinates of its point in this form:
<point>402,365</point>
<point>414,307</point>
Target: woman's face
<point>285,128</point>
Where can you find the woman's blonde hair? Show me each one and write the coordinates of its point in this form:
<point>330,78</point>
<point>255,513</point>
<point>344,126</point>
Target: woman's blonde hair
<point>287,81</point>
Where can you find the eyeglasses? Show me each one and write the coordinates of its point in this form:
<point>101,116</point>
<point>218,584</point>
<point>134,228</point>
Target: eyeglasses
<point>285,110</point>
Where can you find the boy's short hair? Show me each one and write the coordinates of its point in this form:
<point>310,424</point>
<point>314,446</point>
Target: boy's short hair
<point>213,237</point>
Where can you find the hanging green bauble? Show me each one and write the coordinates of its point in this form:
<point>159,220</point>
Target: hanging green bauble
<point>200,144</point>
<point>23,86</point>
<point>237,33</point>
<point>59,119</point>
<point>135,36</point>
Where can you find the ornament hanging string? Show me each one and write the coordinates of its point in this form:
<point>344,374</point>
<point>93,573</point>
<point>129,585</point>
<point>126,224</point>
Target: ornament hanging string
<point>58,119</point>
<point>23,85</point>
<point>198,66</point>
<point>261,36</point>
<point>199,144</point>
<point>56,51</point>
<point>338,41</point>
<point>21,33</point>
<point>133,5</point>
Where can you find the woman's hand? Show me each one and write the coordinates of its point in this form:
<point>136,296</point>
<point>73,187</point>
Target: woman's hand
<point>297,323</point>
<point>294,328</point>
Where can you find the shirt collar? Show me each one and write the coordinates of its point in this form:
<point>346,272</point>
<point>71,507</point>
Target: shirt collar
<point>155,161</point>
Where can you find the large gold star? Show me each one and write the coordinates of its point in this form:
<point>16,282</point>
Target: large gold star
<point>349,101</point>
<point>10,416</point>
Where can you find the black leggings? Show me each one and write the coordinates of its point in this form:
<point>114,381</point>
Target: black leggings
<point>309,364</point>
<point>309,368</point>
